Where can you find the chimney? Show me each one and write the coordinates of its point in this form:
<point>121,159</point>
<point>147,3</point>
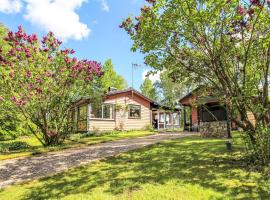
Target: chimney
<point>110,89</point>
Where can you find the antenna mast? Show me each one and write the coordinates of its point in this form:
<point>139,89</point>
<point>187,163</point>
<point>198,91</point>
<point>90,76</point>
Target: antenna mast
<point>134,65</point>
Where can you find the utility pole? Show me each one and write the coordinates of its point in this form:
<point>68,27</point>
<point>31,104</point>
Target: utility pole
<point>134,65</point>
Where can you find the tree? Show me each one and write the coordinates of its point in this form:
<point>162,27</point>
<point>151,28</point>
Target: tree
<point>3,33</point>
<point>11,123</point>
<point>110,78</point>
<point>222,44</point>
<point>170,93</point>
<point>41,80</point>
<point>148,89</point>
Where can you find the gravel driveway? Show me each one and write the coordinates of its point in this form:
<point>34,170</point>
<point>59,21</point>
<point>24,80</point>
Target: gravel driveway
<point>23,169</point>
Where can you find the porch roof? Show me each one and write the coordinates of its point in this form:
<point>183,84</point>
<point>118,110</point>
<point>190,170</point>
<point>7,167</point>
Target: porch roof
<point>192,97</point>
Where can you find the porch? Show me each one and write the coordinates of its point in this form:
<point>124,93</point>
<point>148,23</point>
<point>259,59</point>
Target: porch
<point>165,119</point>
<point>207,116</point>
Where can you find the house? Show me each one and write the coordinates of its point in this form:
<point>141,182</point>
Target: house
<point>122,110</point>
<point>207,115</point>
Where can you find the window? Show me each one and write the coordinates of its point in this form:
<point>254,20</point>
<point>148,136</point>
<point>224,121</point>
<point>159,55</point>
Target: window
<point>106,111</point>
<point>82,112</point>
<point>176,119</point>
<point>161,118</point>
<point>213,113</point>
<point>71,119</point>
<point>134,111</point>
<point>71,116</point>
<point>82,118</point>
<point>96,111</point>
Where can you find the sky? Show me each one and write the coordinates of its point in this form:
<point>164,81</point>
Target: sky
<point>90,27</point>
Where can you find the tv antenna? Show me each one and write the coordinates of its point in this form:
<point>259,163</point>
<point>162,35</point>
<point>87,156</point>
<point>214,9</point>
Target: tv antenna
<point>134,66</point>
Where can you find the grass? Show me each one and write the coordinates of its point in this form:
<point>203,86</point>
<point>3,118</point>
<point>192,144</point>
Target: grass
<point>75,141</point>
<point>185,169</point>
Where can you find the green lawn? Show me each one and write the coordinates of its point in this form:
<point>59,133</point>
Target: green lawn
<point>187,169</point>
<point>75,141</point>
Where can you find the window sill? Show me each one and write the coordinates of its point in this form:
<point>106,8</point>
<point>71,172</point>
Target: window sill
<point>134,118</point>
<point>100,119</point>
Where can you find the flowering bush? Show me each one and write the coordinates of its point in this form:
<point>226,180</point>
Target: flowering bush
<point>41,79</point>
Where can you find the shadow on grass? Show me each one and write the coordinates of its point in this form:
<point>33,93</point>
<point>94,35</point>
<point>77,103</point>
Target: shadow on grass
<point>203,162</point>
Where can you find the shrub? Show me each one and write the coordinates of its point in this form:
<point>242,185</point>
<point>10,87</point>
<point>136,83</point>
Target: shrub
<point>41,80</point>
<point>13,146</point>
<point>259,148</point>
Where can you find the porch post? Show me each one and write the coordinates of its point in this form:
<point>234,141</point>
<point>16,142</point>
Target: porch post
<point>165,118</point>
<point>158,121</point>
<point>171,116</point>
<point>185,120</point>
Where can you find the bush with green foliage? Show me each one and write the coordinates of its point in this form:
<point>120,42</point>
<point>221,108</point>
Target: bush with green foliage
<point>13,146</point>
<point>221,44</point>
<point>41,80</point>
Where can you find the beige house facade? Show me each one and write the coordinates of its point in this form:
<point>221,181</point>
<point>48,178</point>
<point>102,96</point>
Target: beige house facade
<point>122,110</point>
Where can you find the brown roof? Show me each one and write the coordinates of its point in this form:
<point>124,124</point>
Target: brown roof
<point>113,92</point>
<point>199,99</point>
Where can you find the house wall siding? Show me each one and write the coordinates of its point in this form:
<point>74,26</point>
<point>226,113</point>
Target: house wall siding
<point>101,125</point>
<point>121,116</point>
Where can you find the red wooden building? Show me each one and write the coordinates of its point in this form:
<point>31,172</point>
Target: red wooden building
<point>205,114</point>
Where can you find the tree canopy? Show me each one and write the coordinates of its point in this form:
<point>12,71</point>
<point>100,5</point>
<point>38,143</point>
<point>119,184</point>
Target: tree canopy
<point>148,89</point>
<point>110,78</point>
<point>170,92</point>
<point>221,44</point>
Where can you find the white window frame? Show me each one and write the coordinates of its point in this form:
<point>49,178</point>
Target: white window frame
<point>102,114</point>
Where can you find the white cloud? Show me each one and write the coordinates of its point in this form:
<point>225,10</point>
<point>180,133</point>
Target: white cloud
<point>153,77</point>
<point>58,16</point>
<point>10,6</point>
<point>104,5</point>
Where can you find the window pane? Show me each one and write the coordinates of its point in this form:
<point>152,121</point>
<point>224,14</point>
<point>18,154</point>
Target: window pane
<point>82,112</point>
<point>105,111</point>
<point>176,118</point>
<point>113,111</point>
<point>96,111</point>
<point>134,111</point>
<point>168,119</point>
<point>161,118</point>
<point>82,126</point>
<point>71,116</point>
<point>107,114</point>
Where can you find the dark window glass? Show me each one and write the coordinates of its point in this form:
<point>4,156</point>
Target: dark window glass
<point>108,111</point>
<point>134,111</point>
<point>214,113</point>
<point>105,111</point>
<point>96,111</point>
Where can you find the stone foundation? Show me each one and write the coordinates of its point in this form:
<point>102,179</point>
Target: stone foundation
<point>216,129</point>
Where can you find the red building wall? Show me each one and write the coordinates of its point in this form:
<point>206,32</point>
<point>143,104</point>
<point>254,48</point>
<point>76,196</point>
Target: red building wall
<point>194,115</point>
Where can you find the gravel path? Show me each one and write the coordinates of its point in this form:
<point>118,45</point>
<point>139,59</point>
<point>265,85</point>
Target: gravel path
<point>23,169</point>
